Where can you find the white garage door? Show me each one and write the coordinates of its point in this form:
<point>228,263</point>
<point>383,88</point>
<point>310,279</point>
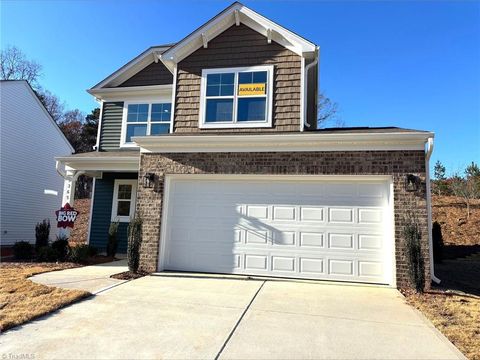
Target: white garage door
<point>302,228</point>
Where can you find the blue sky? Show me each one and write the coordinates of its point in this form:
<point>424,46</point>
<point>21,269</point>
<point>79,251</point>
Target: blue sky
<point>408,64</point>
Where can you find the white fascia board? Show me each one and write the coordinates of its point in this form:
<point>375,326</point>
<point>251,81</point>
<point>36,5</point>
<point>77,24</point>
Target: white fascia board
<point>284,142</point>
<point>130,68</point>
<point>223,21</point>
<point>131,91</point>
<point>114,163</point>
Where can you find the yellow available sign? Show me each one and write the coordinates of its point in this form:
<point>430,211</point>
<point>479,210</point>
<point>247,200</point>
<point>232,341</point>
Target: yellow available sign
<point>251,89</point>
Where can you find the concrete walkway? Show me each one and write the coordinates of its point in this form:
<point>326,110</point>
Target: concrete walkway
<point>168,317</point>
<point>93,278</point>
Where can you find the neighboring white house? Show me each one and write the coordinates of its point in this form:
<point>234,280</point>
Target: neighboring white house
<point>30,188</point>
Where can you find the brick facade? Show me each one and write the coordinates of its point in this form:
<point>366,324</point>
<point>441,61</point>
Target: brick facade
<point>240,46</point>
<point>395,163</point>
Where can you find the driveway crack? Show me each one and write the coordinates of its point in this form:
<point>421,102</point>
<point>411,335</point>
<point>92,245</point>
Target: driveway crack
<point>239,321</point>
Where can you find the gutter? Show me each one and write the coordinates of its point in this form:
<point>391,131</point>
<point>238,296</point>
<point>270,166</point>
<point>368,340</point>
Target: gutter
<point>64,175</point>
<point>305,97</point>
<point>428,154</point>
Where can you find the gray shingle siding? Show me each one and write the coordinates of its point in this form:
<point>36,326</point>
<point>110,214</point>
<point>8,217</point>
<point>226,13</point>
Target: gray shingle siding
<point>102,212</point>
<point>111,126</point>
<point>153,74</point>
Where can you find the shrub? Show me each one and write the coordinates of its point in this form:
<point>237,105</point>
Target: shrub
<point>62,248</point>
<point>437,240</point>
<point>415,261</point>
<point>23,250</point>
<point>79,253</point>
<point>47,254</point>
<point>112,244</point>
<point>42,232</point>
<point>134,241</point>
<point>92,251</point>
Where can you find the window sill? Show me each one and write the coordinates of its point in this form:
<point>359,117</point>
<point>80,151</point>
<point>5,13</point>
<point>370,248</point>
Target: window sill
<point>237,125</point>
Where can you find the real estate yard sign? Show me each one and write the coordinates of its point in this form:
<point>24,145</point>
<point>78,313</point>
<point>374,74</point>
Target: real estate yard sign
<point>66,216</point>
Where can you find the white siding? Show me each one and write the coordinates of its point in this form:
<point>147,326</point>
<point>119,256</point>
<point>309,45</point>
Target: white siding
<point>29,141</point>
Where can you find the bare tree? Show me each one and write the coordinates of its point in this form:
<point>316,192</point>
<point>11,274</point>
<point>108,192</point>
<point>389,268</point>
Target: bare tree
<point>465,188</point>
<point>14,65</point>
<point>52,103</point>
<point>327,112</point>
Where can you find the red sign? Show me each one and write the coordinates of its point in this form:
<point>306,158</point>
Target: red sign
<point>66,216</point>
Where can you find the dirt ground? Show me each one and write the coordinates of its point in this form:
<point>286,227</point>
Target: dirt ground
<point>451,213</point>
<point>454,305</point>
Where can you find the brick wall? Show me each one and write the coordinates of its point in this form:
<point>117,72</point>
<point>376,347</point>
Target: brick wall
<point>395,163</point>
<point>240,46</point>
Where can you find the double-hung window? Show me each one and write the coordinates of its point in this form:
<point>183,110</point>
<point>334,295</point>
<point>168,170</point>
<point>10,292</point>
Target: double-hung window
<point>146,119</point>
<point>236,97</point>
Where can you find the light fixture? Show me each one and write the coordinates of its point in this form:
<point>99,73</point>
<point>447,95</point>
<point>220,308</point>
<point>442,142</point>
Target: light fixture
<point>412,182</point>
<point>148,180</point>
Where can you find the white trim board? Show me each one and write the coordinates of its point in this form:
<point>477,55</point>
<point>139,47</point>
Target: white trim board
<point>120,94</point>
<point>119,163</point>
<point>286,142</point>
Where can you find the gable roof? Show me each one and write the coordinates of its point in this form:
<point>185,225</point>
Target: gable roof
<point>234,15</point>
<point>131,68</point>
<point>34,95</point>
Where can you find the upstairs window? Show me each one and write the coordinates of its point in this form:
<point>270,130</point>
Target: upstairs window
<point>237,97</point>
<point>146,119</point>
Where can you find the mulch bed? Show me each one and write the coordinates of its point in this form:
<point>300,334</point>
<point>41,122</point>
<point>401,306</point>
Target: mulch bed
<point>128,275</point>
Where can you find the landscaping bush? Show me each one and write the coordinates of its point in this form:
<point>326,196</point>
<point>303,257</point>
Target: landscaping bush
<point>437,240</point>
<point>79,253</point>
<point>62,248</point>
<point>415,261</point>
<point>134,241</point>
<point>92,251</point>
<point>47,254</point>
<point>112,243</point>
<point>23,250</point>
<point>42,232</point>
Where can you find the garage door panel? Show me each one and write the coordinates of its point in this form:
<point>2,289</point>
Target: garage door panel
<point>341,215</point>
<point>274,228</point>
<point>311,266</point>
<point>312,214</point>
<point>341,241</point>
<point>312,239</point>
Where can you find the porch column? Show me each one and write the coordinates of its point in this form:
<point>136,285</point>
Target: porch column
<point>69,187</point>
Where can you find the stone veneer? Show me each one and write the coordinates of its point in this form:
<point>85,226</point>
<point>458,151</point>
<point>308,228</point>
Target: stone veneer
<point>395,163</point>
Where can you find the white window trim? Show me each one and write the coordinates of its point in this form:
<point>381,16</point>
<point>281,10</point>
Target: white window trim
<point>234,124</point>
<point>133,200</point>
<point>149,101</point>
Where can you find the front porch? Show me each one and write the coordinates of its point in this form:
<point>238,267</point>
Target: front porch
<point>113,199</point>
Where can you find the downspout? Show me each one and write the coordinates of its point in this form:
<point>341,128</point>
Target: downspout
<point>305,99</point>
<point>428,154</point>
<point>60,171</point>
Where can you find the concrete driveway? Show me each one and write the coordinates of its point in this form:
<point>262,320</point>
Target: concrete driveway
<point>173,317</point>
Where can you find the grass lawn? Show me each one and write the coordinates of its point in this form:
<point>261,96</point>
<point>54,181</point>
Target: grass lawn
<point>22,300</point>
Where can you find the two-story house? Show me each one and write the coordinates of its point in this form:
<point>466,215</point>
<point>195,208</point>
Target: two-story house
<point>213,142</point>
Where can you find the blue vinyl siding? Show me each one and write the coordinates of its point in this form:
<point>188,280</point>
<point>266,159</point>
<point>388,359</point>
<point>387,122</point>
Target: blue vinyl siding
<point>102,212</point>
